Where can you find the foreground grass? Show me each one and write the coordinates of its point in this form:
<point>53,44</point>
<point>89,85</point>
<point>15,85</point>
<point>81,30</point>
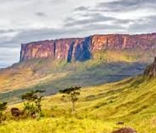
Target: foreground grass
<point>98,110</point>
<point>74,125</point>
<point>57,125</point>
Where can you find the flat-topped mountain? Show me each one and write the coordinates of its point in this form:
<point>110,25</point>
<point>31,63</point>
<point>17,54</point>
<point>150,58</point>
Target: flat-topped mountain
<point>81,49</point>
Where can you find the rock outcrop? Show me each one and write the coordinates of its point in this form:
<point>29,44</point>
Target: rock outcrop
<point>125,130</point>
<point>81,49</point>
<point>151,70</point>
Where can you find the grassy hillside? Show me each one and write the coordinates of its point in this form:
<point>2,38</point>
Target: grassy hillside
<point>98,109</point>
<point>54,75</point>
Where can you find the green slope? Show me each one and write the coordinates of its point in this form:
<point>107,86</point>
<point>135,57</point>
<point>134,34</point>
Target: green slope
<point>54,75</point>
<point>99,108</point>
<point>104,67</point>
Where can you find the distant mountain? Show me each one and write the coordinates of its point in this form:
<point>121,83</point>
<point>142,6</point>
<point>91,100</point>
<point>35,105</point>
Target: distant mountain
<point>135,47</point>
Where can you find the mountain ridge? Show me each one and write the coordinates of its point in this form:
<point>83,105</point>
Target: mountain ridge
<point>82,49</point>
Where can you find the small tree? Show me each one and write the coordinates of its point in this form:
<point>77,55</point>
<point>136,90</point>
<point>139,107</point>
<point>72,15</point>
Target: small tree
<point>32,102</point>
<point>3,106</point>
<point>72,94</point>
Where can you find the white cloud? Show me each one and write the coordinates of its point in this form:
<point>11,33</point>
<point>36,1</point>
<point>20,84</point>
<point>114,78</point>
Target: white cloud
<point>8,56</point>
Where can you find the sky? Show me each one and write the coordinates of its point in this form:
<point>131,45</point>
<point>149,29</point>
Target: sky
<point>23,21</point>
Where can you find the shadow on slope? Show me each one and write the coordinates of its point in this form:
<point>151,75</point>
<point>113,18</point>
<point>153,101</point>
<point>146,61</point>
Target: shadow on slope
<point>55,75</point>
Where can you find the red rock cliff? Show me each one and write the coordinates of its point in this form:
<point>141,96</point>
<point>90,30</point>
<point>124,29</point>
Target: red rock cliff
<point>81,49</point>
<point>64,49</point>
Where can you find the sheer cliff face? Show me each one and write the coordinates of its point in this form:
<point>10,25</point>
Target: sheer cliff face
<point>145,41</point>
<point>81,49</point>
<point>63,49</point>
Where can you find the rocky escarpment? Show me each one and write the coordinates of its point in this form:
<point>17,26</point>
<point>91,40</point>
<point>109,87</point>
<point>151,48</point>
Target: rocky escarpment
<point>151,70</point>
<point>64,49</point>
<point>81,49</point>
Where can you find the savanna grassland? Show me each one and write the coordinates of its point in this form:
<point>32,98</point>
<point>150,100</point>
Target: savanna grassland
<point>55,75</point>
<point>98,110</point>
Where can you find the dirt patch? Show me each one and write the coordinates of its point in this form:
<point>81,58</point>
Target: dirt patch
<point>125,130</point>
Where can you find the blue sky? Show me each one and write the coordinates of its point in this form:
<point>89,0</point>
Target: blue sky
<point>23,21</point>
